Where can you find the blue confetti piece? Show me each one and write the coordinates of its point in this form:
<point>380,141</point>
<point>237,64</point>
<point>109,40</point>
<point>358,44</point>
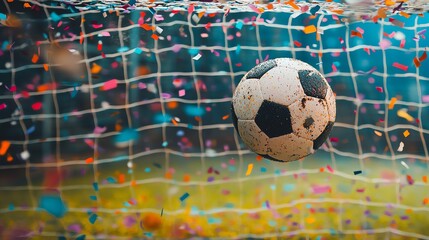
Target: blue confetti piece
<point>289,187</point>
<point>147,169</point>
<point>55,17</point>
<point>308,205</point>
<point>11,207</point>
<point>239,25</point>
<point>132,2</point>
<point>237,51</point>
<point>53,204</point>
<point>31,129</point>
<point>148,234</point>
<point>165,144</point>
<point>123,49</point>
<point>3,16</point>
<point>184,197</point>
<point>127,135</point>
<point>93,197</point>
<point>357,172</point>
<point>81,237</point>
<point>194,111</point>
<point>193,51</point>
<point>263,169</point>
<point>93,218</point>
<point>95,186</point>
<point>111,179</point>
<point>138,51</point>
<point>314,10</point>
<point>4,45</point>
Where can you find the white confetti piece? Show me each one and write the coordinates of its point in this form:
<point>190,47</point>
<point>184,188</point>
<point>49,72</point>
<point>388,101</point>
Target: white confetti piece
<point>197,57</point>
<point>401,147</point>
<point>25,155</point>
<point>405,165</point>
<point>159,30</point>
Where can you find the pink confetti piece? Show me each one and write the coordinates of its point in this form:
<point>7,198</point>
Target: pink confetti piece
<point>97,25</point>
<point>99,130</point>
<point>176,48</point>
<point>425,98</point>
<point>400,66</point>
<point>317,189</point>
<point>254,8</point>
<point>105,34</point>
<point>330,168</point>
<point>3,106</point>
<point>111,84</point>
<point>360,30</point>
<point>402,43</point>
<point>182,92</point>
<point>384,44</point>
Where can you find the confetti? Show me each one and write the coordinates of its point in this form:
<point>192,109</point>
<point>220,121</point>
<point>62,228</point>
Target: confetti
<point>184,197</point>
<point>406,133</point>
<point>405,165</point>
<point>401,147</point>
<point>36,106</point>
<point>357,172</point>
<point>108,85</point>
<point>53,204</point>
<point>309,29</point>
<point>92,218</point>
<point>403,113</point>
<point>197,57</point>
<point>392,103</point>
<point>400,66</point>
<point>317,189</point>
<point>249,169</point>
<point>4,146</point>
<point>378,133</point>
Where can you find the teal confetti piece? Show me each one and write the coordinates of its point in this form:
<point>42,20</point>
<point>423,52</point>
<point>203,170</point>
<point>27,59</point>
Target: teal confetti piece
<point>127,135</point>
<point>165,144</point>
<point>93,197</point>
<point>53,204</point>
<point>138,51</point>
<point>3,16</point>
<point>111,179</point>
<point>55,17</point>
<point>147,169</point>
<point>239,25</point>
<point>237,51</point>
<point>213,220</point>
<point>184,197</point>
<point>123,49</point>
<point>95,186</point>
<point>289,187</point>
<point>11,207</point>
<point>194,111</point>
<point>263,169</point>
<point>93,218</point>
<point>148,234</point>
<point>314,10</point>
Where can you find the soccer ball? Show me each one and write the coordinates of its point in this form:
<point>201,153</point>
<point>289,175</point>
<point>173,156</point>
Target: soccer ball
<point>283,109</point>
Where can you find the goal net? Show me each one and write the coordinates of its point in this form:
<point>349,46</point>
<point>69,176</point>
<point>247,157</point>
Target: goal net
<point>111,110</point>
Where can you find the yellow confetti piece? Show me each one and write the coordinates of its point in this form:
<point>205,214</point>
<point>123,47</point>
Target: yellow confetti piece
<point>378,133</point>
<point>249,169</point>
<point>406,133</point>
<point>404,114</point>
<point>309,29</point>
<point>392,102</point>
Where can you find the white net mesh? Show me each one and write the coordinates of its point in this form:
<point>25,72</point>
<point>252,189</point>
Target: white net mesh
<point>122,109</point>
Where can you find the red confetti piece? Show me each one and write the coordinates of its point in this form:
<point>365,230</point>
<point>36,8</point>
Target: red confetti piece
<point>356,34</point>
<point>89,160</point>
<point>3,106</point>
<point>400,66</point>
<point>37,106</point>
<point>296,43</point>
<point>379,89</point>
<point>410,180</point>
<point>330,168</point>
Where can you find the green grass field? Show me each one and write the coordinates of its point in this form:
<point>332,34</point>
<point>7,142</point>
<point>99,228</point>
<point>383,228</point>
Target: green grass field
<point>316,198</point>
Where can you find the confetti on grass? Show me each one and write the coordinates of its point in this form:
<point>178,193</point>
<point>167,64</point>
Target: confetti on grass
<point>405,165</point>
<point>249,169</point>
<point>92,218</point>
<point>53,204</point>
<point>184,197</point>
<point>357,172</point>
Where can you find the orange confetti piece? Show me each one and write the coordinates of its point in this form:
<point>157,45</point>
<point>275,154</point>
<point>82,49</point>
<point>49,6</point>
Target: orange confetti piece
<point>4,146</point>
<point>406,133</point>
<point>425,201</point>
<point>186,178</point>
<point>172,105</point>
<point>225,117</point>
<point>174,122</point>
<point>35,58</point>
<point>9,158</point>
<point>168,175</point>
<point>270,6</point>
<point>27,5</point>
<point>309,29</point>
<point>404,14</point>
<point>321,169</point>
<point>378,133</point>
<point>96,68</point>
<point>249,169</point>
<point>259,157</point>
<point>293,5</point>
<point>133,183</point>
<point>89,160</point>
<point>389,3</point>
<point>416,62</point>
<point>121,178</point>
<point>154,36</point>
<point>46,67</point>
<point>310,220</point>
<point>425,179</point>
<point>356,34</point>
<point>146,27</point>
<point>392,102</point>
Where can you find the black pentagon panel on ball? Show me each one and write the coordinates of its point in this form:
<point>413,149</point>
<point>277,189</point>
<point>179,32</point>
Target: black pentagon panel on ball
<point>313,83</point>
<point>274,119</point>
<point>259,70</point>
<point>323,136</point>
<point>234,118</point>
